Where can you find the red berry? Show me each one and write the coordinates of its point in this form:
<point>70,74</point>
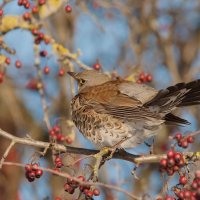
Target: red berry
<point>68,188</point>
<point>34,31</point>
<point>27,5</point>
<point>142,77</point>
<point>40,36</point>
<point>59,164</point>
<point>52,132</point>
<point>89,193</point>
<point>81,178</point>
<point>97,66</point>
<point>177,157</point>
<point>43,53</point>
<point>7,60</point>
<point>194,185</point>
<point>96,192</point>
<point>32,84</point>
<point>187,194</point>
<point>57,159</point>
<point>170,172</point>
<point>26,16</point>
<point>149,77</point>
<point>190,139</point>
<point>183,143</point>
<point>1,12</point>
<point>61,72</point>
<point>181,163</point>
<point>68,140</point>
<point>57,198</point>
<point>46,40</point>
<point>28,167</point>
<point>180,194</point>
<point>30,179</point>
<point>170,162</point>
<point>139,81</point>
<point>60,137</point>
<point>178,136</point>
<point>1,77</point>
<point>35,166</point>
<point>170,154</point>
<point>176,168</point>
<point>56,129</point>
<point>46,70</point>
<point>31,174</point>
<point>197,174</point>
<point>35,9</point>
<point>20,2</point>
<point>68,8</point>
<point>38,173</point>
<point>163,163</point>
<point>41,2</point>
<point>169,198</point>
<point>18,64</point>
<point>182,180</point>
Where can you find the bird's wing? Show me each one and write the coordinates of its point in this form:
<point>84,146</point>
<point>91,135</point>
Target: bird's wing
<point>142,92</point>
<point>121,101</point>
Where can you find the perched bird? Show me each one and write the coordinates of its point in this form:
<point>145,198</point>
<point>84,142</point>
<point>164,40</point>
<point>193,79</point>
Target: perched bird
<point>108,111</point>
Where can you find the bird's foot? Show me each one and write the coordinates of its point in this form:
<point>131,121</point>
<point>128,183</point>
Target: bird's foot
<point>105,154</point>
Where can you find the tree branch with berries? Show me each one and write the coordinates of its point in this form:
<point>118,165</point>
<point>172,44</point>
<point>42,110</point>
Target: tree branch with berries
<point>33,82</point>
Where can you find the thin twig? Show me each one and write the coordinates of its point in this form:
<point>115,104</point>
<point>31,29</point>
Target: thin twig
<point>41,88</point>
<point>6,153</point>
<point>66,175</point>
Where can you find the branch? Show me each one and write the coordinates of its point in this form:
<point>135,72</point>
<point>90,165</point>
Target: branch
<point>6,153</point>
<point>122,155</point>
<point>66,175</point>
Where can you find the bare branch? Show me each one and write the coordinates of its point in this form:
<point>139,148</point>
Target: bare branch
<point>6,153</point>
<point>122,155</point>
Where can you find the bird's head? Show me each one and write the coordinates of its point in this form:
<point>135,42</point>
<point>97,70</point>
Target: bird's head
<point>89,78</point>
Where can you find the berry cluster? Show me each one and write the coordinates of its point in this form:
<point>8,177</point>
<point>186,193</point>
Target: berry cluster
<point>71,185</point>
<point>58,163</point>
<point>33,85</point>
<point>192,191</point>
<point>32,171</point>
<point>172,163</point>
<point>39,37</point>
<point>25,3</point>
<point>144,77</point>
<point>56,134</point>
<point>183,141</point>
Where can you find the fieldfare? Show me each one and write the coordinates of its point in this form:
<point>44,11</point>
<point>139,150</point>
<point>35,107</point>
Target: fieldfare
<point>108,111</point>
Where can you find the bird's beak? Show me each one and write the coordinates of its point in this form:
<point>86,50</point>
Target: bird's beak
<point>72,74</point>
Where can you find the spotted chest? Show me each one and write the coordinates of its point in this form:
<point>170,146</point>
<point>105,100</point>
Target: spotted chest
<point>102,129</point>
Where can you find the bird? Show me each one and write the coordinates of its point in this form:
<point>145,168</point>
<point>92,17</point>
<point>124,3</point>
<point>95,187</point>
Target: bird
<point>111,111</point>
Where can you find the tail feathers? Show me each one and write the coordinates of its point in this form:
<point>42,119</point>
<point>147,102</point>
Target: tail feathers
<point>174,120</point>
<point>181,94</point>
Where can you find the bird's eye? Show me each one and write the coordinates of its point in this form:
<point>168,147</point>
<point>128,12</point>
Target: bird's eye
<point>81,82</point>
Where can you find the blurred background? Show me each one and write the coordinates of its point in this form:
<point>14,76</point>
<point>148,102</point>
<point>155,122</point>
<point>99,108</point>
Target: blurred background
<point>122,37</point>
